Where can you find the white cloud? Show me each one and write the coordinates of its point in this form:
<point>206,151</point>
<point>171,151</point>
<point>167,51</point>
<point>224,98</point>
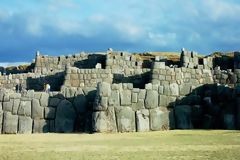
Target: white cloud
<point>56,5</point>
<point>218,9</point>
<point>128,31</point>
<point>34,26</point>
<point>161,39</point>
<point>9,64</point>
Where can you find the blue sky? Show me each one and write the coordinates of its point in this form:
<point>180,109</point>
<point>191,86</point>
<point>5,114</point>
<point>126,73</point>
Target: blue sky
<point>57,27</point>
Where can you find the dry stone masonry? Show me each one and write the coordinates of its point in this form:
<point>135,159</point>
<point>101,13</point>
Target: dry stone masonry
<point>121,92</point>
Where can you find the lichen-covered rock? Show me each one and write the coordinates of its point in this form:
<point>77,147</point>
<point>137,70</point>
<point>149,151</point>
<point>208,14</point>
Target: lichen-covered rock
<point>183,116</point>
<point>104,121</point>
<point>125,119</point>
<point>65,117</point>
<point>37,110</point>
<point>151,100</point>
<point>25,124</point>
<point>159,119</point>
<point>142,120</point>
<point>10,123</point>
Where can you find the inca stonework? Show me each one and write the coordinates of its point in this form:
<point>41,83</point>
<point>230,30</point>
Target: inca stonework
<point>122,92</point>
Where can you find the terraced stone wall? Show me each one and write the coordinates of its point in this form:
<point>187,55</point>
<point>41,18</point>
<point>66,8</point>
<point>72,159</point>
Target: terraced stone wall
<point>124,60</point>
<point>46,64</point>
<point>32,81</point>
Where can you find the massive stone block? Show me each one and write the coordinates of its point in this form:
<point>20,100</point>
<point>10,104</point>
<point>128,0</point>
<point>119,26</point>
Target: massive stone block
<point>49,112</point>
<point>25,108</point>
<point>184,89</point>
<point>44,99</point>
<point>7,106</point>
<point>183,116</point>
<point>126,97</point>
<point>80,103</point>
<point>139,105</point>
<point>40,126</point>
<point>229,121</point>
<point>114,99</point>
<point>1,120</point>
<point>151,100</point>
<point>37,110</point>
<point>25,124</point>
<point>16,104</point>
<point>10,123</point>
<point>104,121</point>
<point>104,89</point>
<point>159,119</point>
<point>54,102</point>
<point>125,119</point>
<point>174,89</point>
<point>65,117</point>
<point>142,120</point>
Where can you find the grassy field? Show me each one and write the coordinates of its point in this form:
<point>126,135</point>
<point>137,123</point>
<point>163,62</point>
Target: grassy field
<point>164,145</point>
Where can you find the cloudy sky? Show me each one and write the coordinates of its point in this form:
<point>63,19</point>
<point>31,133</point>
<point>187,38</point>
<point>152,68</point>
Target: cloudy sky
<point>57,27</point>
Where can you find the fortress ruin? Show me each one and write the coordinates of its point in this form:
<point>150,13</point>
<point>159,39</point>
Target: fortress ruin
<point>122,92</point>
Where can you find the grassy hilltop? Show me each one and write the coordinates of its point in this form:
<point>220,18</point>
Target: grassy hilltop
<point>172,145</point>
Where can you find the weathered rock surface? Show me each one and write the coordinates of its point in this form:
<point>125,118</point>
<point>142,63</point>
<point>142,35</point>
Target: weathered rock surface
<point>159,120</point>
<point>10,123</point>
<point>25,124</point>
<point>65,117</point>
<point>151,100</point>
<point>80,103</point>
<point>44,99</point>
<point>37,110</point>
<point>104,121</point>
<point>25,108</point>
<point>49,112</point>
<point>142,120</point>
<point>125,119</point>
<point>40,126</point>
<point>183,116</point>
<point>126,97</point>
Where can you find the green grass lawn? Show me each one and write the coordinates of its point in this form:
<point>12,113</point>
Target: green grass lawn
<point>140,146</point>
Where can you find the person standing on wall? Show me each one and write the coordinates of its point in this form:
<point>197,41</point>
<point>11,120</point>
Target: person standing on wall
<point>47,87</point>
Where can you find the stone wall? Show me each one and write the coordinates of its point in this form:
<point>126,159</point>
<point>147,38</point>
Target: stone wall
<point>190,59</point>
<point>236,60</point>
<point>90,77</point>
<point>32,81</point>
<point>80,78</point>
<point>39,112</point>
<point>162,74</point>
<point>122,108</point>
<point>46,64</point>
<point>122,60</point>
